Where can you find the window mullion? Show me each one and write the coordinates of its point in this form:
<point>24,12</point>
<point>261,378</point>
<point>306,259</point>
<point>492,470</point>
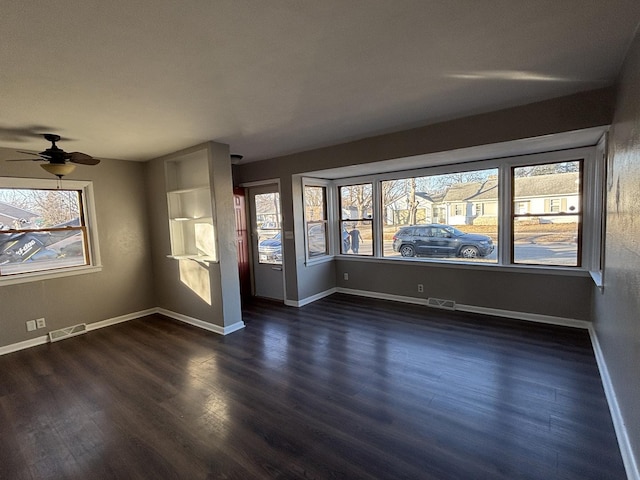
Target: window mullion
<point>505,218</point>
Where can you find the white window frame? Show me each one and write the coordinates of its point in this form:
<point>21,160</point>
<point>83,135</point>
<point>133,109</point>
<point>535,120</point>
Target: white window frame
<point>330,218</point>
<point>88,205</point>
<point>593,178</point>
<point>376,231</point>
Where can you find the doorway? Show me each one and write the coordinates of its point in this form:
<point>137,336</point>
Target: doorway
<point>266,241</point>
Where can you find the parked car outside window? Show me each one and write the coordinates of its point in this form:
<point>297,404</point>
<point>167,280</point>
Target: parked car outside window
<point>440,240</point>
<point>270,249</point>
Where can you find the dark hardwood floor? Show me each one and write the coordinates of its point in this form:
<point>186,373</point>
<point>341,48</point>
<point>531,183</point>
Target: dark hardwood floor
<point>343,388</point>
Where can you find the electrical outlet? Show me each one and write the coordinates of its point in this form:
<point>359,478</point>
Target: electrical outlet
<point>31,325</point>
<point>40,323</point>
<point>420,288</point>
<point>345,276</point>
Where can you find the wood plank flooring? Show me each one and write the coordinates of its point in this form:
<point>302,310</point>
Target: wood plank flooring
<point>346,387</point>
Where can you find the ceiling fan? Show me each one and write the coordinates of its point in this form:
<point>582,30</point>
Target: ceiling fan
<point>59,162</point>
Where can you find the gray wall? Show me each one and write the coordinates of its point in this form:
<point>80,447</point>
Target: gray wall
<point>539,294</point>
<point>617,308</point>
<point>221,279</point>
<point>553,295</point>
<point>125,283</point>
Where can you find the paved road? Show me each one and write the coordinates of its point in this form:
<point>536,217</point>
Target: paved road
<point>536,253</point>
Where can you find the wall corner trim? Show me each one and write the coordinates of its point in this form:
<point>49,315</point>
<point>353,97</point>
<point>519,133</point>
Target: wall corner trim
<point>200,323</point>
<point>626,450</point>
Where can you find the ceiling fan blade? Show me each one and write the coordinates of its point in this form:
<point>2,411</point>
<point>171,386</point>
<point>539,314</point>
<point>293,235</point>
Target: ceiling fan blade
<point>28,153</point>
<point>82,158</point>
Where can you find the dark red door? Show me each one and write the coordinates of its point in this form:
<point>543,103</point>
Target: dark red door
<point>242,243</point>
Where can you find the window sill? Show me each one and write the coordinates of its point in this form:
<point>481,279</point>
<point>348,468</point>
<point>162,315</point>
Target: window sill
<point>39,276</point>
<point>434,263</point>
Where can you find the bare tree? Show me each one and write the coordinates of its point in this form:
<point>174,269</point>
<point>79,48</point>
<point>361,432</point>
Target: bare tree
<point>412,203</point>
<point>547,169</point>
<point>358,198</point>
<point>52,207</point>
<point>314,203</point>
<point>392,191</point>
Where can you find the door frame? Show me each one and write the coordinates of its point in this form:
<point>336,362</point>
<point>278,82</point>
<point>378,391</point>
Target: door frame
<point>252,247</point>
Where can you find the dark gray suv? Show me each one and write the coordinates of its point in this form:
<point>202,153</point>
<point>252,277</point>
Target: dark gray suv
<point>440,240</point>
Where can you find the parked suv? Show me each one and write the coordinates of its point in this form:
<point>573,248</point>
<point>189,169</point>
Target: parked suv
<point>440,240</point>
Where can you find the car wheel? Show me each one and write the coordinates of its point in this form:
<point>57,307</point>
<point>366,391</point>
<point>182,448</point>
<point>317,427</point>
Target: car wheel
<point>469,252</point>
<point>407,251</point>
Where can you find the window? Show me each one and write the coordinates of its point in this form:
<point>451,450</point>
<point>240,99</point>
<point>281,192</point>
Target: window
<point>478,209</point>
<point>442,199</point>
<point>553,205</point>
<point>315,216</point>
<point>539,211</point>
<point>550,231</point>
<point>44,229</point>
<point>268,219</point>
<point>356,219</point>
<point>521,207</point>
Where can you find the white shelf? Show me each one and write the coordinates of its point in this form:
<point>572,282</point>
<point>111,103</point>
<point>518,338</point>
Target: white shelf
<point>187,190</point>
<point>199,258</point>
<point>188,219</point>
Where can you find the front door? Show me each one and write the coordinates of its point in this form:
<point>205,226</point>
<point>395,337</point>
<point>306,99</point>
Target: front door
<point>267,241</point>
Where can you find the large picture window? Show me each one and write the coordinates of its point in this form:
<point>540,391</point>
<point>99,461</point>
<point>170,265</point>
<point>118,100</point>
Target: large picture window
<point>452,216</point>
<point>535,210</point>
<point>42,229</point>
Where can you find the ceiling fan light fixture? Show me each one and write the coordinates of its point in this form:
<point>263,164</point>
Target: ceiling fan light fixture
<point>58,169</point>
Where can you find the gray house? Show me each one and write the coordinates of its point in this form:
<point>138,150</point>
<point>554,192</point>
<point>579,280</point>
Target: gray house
<point>12,217</point>
<point>476,203</point>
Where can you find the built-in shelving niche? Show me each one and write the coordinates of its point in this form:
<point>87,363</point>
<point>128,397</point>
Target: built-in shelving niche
<point>189,200</point>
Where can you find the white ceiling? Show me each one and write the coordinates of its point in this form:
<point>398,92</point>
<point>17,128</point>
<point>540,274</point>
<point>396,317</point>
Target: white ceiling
<point>137,80</point>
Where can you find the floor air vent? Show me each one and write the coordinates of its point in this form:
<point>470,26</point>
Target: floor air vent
<point>440,303</point>
<point>56,335</point>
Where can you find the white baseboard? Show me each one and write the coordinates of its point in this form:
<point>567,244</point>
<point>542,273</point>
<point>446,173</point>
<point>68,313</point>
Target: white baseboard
<point>628,457</point>
<point>202,324</point>
<point>311,299</point>
<point>14,347</point>
<point>382,296</point>
<point>531,317</point>
<point>120,319</point>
